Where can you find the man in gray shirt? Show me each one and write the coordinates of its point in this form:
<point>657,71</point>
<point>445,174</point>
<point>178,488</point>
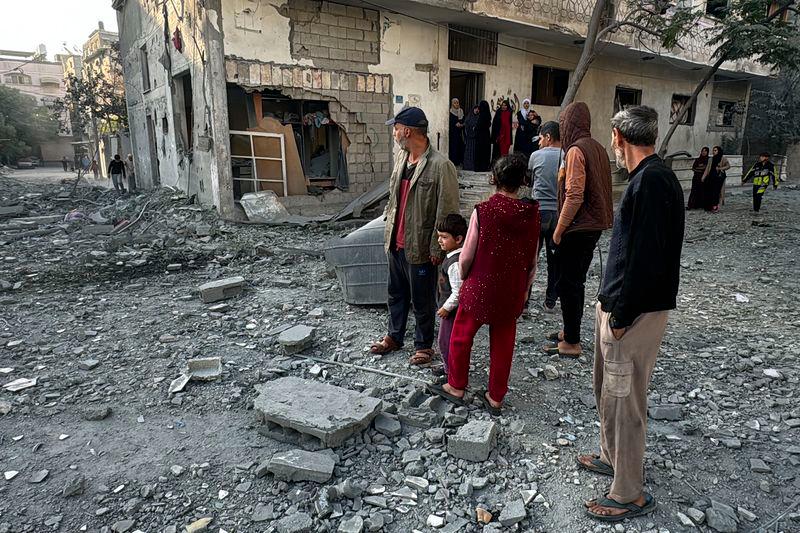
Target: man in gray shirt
<point>544,165</point>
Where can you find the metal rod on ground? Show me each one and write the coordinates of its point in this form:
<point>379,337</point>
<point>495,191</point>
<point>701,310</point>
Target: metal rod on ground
<point>123,228</point>
<point>359,367</point>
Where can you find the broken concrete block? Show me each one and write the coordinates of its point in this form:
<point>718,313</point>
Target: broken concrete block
<point>388,425</point>
<point>351,525</point>
<point>94,414</point>
<point>300,465</point>
<point>473,441</point>
<point>98,229</point>
<point>296,339</point>
<point>205,369</point>
<point>222,289</point>
<point>295,523</point>
<point>263,206</point>
<point>88,364</point>
<point>666,412</point>
<point>178,384</point>
<point>513,513</point>
<point>312,414</point>
<point>11,211</point>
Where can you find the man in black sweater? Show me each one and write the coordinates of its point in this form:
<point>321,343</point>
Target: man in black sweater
<point>638,290</point>
<point>117,171</point>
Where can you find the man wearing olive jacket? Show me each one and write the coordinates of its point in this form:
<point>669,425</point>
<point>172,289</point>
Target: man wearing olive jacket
<point>423,190</point>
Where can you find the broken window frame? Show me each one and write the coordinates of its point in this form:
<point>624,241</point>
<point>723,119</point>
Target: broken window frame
<point>619,90</point>
<point>681,100</point>
<point>255,180</point>
<point>726,109</point>
<point>555,82</point>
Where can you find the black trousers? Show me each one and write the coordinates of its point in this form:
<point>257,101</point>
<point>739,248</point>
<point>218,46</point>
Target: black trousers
<point>574,257</point>
<point>411,287</point>
<point>549,222</point>
<point>757,198</point>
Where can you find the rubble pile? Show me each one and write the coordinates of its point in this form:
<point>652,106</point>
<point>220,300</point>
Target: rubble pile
<point>190,374</point>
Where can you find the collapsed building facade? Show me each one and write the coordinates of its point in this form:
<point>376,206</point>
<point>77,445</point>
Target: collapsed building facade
<point>227,97</point>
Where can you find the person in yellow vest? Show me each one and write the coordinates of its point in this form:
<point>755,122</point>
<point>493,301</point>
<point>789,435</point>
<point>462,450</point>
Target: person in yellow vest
<point>762,173</point>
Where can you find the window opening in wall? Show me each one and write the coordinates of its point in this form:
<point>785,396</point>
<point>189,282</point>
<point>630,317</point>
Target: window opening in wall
<point>164,125</point>
<point>182,107</point>
<point>153,147</point>
<point>716,8</point>
<point>626,97</point>
<point>549,85</point>
<point>145,66</point>
<point>679,101</point>
<point>726,113</point>
<point>18,78</point>
<point>472,45</point>
<point>258,162</point>
<point>315,147</point>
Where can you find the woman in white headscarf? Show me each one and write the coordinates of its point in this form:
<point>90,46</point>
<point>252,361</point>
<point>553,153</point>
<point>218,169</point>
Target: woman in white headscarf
<point>528,123</point>
<point>456,148</point>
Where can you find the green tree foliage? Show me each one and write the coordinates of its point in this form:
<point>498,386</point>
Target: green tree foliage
<point>758,30</point>
<point>23,124</point>
<point>97,96</point>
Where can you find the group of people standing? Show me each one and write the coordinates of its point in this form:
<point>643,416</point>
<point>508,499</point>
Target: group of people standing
<point>477,138</point>
<point>710,172</point>
<point>484,270</point>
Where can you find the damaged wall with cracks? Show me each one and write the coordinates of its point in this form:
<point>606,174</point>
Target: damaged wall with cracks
<point>174,144</point>
<point>314,50</point>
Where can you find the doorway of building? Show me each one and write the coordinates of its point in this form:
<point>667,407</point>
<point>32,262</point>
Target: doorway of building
<point>467,87</point>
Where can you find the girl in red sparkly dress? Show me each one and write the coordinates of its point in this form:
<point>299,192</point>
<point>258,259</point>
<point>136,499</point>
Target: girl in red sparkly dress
<point>497,265</point>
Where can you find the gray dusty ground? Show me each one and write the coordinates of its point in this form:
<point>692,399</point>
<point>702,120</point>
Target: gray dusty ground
<point>160,463</point>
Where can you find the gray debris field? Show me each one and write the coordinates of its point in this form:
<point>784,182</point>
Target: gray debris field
<point>275,429</point>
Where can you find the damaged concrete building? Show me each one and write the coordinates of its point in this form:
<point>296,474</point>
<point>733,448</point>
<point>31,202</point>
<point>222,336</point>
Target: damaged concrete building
<point>228,97</point>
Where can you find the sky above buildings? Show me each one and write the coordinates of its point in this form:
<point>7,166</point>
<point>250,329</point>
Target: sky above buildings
<point>28,23</point>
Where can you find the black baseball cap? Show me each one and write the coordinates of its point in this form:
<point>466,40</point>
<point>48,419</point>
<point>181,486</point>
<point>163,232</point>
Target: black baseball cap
<point>412,117</point>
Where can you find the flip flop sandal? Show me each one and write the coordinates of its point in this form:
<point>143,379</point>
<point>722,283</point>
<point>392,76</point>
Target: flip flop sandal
<point>438,390</point>
<point>552,349</point>
<point>633,510</point>
<point>385,345</point>
<point>494,411</point>
<point>598,466</point>
<point>422,357</point>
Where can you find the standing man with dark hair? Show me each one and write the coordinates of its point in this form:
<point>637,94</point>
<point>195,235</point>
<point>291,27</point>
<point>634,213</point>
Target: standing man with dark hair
<point>585,210</point>
<point>639,288</point>
<point>116,170</point>
<point>762,173</point>
<point>544,164</point>
<point>423,190</point>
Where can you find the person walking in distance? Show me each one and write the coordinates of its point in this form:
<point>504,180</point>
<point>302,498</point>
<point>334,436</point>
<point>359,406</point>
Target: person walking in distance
<point>585,210</point>
<point>544,164</point>
<point>423,190</point>
<point>130,171</point>
<point>65,163</point>
<point>95,168</point>
<point>762,173</point>
<point>116,169</point>
<point>639,288</point>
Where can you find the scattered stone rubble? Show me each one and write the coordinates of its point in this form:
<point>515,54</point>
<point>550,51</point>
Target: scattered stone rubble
<point>100,325</point>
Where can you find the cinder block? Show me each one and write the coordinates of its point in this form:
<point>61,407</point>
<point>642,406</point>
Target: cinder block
<point>222,289</point>
<point>300,465</point>
<point>473,441</point>
<point>355,12</point>
<point>346,22</point>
